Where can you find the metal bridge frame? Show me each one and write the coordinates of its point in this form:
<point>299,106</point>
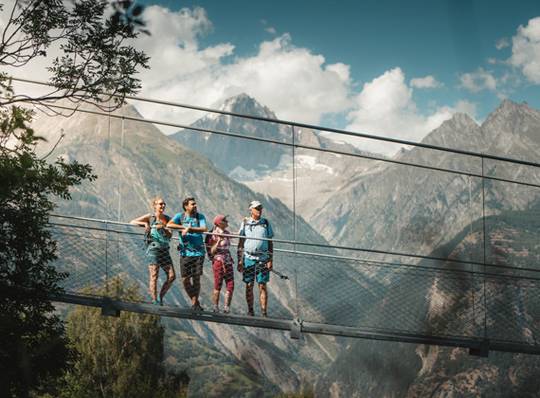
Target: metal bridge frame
<point>296,327</point>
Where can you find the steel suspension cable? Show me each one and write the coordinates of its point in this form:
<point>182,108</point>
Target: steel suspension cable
<point>309,147</point>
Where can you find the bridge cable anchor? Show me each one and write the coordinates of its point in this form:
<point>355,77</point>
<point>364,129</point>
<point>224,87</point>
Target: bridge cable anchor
<point>108,308</point>
<point>482,350</point>
<point>296,328</point>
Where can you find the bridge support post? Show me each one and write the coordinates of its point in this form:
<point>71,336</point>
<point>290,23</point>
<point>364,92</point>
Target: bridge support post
<point>482,350</point>
<point>296,329</point>
<point>108,309</point>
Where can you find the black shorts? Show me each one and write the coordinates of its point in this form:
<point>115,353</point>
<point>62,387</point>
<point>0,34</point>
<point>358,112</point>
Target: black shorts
<point>191,266</point>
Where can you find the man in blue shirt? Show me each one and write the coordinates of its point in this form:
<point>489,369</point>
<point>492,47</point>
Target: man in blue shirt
<point>255,255</point>
<point>191,225</point>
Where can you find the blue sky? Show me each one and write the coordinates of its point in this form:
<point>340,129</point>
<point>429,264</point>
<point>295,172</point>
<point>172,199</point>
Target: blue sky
<point>389,68</point>
<point>444,38</point>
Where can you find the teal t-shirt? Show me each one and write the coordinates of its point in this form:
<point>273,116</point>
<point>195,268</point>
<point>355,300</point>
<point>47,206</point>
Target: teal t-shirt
<point>191,245</point>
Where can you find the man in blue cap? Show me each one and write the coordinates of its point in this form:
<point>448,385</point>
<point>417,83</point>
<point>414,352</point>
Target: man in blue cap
<point>255,255</point>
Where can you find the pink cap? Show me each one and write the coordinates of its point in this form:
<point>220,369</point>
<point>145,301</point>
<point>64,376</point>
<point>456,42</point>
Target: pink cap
<point>219,219</point>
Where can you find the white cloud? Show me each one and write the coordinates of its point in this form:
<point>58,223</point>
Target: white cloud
<point>526,50</point>
<point>478,81</point>
<point>502,43</point>
<point>385,107</point>
<point>267,28</point>
<point>425,82</point>
<point>292,81</point>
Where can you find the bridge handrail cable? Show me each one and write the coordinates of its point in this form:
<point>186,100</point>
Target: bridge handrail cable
<point>319,245</point>
<point>270,141</point>
<point>309,126</point>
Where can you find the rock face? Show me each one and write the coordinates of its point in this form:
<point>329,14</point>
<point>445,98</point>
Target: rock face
<point>407,209</point>
<point>269,168</point>
<point>426,207</point>
<point>406,370</point>
<point>235,156</point>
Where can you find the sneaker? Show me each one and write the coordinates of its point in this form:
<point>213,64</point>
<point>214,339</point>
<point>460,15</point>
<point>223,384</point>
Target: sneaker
<point>251,313</point>
<point>160,301</point>
<point>197,307</point>
<point>226,310</point>
<point>155,302</point>
<point>215,309</point>
<point>264,314</point>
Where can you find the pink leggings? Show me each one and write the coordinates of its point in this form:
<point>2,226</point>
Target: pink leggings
<point>223,273</point>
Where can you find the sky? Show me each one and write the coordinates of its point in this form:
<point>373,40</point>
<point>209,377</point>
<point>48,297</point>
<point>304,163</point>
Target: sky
<point>392,68</point>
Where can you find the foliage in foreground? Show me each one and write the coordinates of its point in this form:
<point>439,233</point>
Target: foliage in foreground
<point>33,344</point>
<point>94,59</point>
<point>118,357</point>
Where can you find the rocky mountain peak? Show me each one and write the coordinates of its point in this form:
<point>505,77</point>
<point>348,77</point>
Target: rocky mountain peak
<point>513,129</point>
<point>92,127</point>
<point>243,103</point>
<point>511,111</point>
<point>507,105</point>
<point>459,132</point>
<point>239,158</point>
<point>461,120</point>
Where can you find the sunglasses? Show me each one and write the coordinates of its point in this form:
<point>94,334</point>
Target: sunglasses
<point>161,204</point>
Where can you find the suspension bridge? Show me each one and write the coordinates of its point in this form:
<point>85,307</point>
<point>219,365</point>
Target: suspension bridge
<point>322,294</point>
<point>333,290</point>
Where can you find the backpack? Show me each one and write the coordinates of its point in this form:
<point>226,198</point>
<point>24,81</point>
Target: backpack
<point>147,236</point>
<point>263,222</point>
<point>208,244</point>
<point>181,245</point>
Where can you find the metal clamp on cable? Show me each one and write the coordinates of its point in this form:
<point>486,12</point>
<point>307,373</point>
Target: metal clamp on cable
<point>296,329</point>
<point>108,308</point>
<point>482,350</point>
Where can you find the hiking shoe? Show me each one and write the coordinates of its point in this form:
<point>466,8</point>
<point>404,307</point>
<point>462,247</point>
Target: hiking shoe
<point>155,302</point>
<point>215,309</point>
<point>197,307</point>
<point>251,313</point>
<point>264,314</point>
<point>226,310</point>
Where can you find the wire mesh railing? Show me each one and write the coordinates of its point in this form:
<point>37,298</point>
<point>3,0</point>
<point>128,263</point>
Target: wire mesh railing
<point>389,222</point>
<point>439,300</point>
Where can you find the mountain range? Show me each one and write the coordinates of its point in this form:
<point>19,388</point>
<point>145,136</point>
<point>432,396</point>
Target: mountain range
<point>371,204</point>
<point>341,199</point>
<point>268,168</point>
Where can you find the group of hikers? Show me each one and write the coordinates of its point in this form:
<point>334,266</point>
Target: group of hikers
<point>254,252</point>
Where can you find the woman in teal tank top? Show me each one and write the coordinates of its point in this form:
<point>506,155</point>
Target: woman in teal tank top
<point>157,238</point>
